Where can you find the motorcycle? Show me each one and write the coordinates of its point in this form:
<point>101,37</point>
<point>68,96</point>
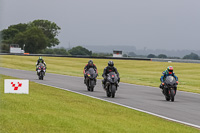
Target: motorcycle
<point>41,71</point>
<point>170,87</point>
<point>91,76</point>
<point>111,84</point>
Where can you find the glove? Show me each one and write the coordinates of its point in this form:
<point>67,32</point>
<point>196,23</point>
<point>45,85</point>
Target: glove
<point>118,79</point>
<point>177,82</point>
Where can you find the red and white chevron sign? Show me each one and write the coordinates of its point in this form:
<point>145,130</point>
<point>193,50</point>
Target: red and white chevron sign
<point>16,86</point>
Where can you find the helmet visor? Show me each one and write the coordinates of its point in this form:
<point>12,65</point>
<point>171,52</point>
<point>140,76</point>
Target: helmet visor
<point>170,71</point>
<point>90,63</point>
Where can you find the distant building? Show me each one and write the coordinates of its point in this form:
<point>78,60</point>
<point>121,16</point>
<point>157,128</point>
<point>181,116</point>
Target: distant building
<point>14,48</point>
<point>117,53</point>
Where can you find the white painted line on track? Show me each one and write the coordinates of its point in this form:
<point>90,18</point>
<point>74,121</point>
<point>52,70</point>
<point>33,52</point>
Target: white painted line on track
<point>164,117</point>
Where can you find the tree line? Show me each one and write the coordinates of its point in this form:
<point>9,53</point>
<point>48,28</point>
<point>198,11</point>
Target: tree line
<point>39,36</point>
<point>35,36</point>
<point>78,50</point>
<point>192,56</point>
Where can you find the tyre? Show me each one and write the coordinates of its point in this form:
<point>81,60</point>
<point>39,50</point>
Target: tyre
<point>88,88</point>
<point>167,98</point>
<point>92,84</point>
<point>39,76</point>
<point>108,92</point>
<point>113,90</point>
<point>92,88</point>
<point>172,93</point>
<point>87,84</point>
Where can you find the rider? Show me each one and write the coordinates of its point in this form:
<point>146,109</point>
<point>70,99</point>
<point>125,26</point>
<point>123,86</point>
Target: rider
<point>87,67</point>
<point>167,72</point>
<point>40,60</point>
<point>108,69</point>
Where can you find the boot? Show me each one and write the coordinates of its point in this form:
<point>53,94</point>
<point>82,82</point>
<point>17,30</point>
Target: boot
<point>104,86</point>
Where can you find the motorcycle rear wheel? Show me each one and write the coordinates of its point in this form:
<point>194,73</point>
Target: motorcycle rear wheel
<point>91,88</point>
<point>88,88</point>
<point>167,98</point>
<point>108,94</point>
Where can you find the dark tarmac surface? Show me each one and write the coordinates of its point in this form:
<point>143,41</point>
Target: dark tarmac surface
<point>185,108</point>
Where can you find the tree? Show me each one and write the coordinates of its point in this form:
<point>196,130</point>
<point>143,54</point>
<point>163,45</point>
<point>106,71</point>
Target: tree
<point>19,34</point>
<point>102,54</point>
<point>79,50</point>
<point>162,56</point>
<point>151,56</point>
<point>60,51</point>
<point>191,56</point>
<point>9,34</point>
<point>33,38</point>
<point>4,48</point>
<point>50,29</point>
<point>20,27</point>
<point>131,54</point>
<point>125,55</point>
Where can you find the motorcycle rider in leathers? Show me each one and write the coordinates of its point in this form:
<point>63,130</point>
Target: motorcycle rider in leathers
<point>167,72</point>
<point>40,60</point>
<point>87,67</point>
<point>108,69</point>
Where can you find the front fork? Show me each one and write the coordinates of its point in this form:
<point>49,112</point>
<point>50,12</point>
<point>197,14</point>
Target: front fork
<point>174,89</point>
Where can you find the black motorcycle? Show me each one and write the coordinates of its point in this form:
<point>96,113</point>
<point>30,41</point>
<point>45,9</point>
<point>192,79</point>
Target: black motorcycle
<point>41,71</point>
<point>170,87</point>
<point>91,76</point>
<point>111,84</point>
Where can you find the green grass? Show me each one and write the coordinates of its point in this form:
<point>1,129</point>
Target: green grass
<point>47,110</point>
<point>135,72</point>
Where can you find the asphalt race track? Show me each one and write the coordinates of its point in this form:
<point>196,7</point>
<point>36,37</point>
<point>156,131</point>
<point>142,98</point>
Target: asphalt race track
<point>185,109</point>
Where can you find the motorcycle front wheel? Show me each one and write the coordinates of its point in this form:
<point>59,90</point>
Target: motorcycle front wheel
<point>108,92</point>
<point>92,84</point>
<point>172,94</point>
<point>113,90</point>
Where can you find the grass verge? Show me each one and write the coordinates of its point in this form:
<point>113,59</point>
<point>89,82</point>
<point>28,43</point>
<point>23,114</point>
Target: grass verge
<point>48,109</point>
<point>131,71</point>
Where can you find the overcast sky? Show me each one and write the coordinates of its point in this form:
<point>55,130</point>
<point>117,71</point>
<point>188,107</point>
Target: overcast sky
<point>154,24</point>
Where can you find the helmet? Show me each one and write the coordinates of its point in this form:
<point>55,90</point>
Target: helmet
<point>90,62</point>
<point>110,63</point>
<point>40,58</point>
<point>170,69</point>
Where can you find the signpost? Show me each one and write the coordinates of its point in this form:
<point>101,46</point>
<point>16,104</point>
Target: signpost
<point>16,86</point>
